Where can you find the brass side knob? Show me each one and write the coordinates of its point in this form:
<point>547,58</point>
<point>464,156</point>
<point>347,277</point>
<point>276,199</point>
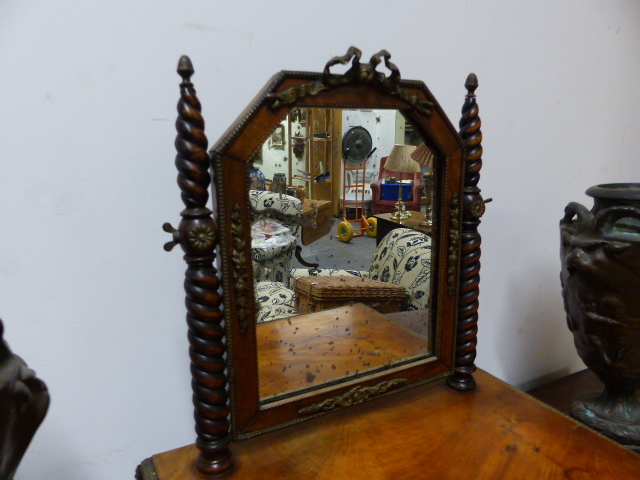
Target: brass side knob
<point>176,237</point>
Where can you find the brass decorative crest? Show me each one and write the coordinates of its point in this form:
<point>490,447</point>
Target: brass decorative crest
<point>354,396</point>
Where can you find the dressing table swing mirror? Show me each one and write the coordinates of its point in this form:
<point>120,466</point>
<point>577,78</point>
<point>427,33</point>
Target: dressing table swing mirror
<point>259,360</point>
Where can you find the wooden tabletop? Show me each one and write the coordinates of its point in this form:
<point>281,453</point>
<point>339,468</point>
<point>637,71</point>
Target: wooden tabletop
<point>428,432</point>
<point>411,222</point>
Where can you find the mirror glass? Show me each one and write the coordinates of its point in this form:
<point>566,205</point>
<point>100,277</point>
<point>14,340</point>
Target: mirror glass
<point>366,307</point>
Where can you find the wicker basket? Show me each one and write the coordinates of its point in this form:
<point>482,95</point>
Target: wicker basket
<point>316,293</point>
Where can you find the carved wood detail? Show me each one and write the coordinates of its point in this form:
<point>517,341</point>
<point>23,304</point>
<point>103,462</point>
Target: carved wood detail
<point>472,209</point>
<point>454,244</point>
<point>358,73</point>
<point>197,234</point>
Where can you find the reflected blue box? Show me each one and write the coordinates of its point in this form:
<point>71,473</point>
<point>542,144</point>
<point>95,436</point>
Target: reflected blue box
<point>389,191</point>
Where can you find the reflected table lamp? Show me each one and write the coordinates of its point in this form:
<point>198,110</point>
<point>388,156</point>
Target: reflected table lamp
<point>400,161</point>
<point>424,156</point>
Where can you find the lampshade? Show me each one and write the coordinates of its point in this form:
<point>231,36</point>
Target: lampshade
<point>400,159</point>
<point>423,155</point>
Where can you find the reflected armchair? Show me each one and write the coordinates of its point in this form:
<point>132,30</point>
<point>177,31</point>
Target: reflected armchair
<point>385,206</point>
<point>272,260</point>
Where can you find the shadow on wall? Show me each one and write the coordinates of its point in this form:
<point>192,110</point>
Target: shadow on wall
<point>543,350</point>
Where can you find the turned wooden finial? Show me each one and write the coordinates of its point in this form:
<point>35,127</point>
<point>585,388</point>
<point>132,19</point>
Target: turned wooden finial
<point>185,68</point>
<point>471,84</point>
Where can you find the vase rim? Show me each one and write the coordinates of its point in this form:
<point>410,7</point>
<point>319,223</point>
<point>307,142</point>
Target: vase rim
<point>622,191</point>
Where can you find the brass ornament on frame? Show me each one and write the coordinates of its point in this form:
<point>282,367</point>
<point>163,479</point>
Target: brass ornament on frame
<point>355,396</point>
<point>240,269</point>
<point>359,73</point>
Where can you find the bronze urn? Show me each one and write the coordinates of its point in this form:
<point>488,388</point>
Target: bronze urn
<point>600,277</point>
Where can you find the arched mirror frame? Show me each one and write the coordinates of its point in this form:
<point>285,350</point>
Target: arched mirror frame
<point>217,360</point>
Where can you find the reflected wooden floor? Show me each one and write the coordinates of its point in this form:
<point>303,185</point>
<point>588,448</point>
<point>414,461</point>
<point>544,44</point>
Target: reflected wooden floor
<point>347,341</point>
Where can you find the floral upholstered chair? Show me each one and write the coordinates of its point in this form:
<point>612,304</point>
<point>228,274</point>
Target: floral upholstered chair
<point>275,300</point>
<point>403,258</point>
<point>272,257</point>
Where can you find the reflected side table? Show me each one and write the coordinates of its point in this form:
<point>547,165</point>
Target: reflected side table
<point>386,223</point>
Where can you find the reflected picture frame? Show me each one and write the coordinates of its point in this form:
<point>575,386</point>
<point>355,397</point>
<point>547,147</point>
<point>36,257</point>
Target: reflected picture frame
<point>277,138</point>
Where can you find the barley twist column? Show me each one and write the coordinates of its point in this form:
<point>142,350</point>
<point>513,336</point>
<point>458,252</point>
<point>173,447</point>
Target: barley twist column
<point>197,234</point>
<point>472,209</point>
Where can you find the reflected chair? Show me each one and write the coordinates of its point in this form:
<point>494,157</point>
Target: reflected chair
<point>275,300</point>
<point>272,260</point>
<point>385,206</point>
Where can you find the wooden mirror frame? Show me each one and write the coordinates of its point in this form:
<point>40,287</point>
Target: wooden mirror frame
<point>223,341</point>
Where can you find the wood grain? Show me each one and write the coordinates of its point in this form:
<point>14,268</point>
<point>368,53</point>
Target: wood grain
<point>310,350</point>
<point>428,432</point>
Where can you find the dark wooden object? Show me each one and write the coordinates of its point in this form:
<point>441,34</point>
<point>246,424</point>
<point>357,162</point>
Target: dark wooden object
<point>430,432</point>
<point>386,223</point>
<point>24,401</point>
<point>362,86</point>
<point>198,237</point>
<point>472,210</point>
<point>561,392</point>
<point>298,254</point>
<point>318,215</point>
